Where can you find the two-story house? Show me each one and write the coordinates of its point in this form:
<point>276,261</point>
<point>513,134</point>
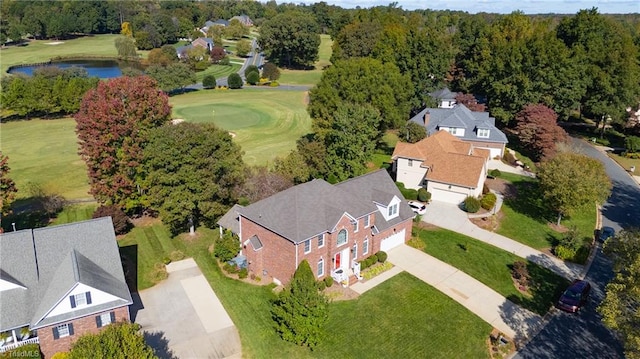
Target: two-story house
<point>449,168</point>
<point>57,283</point>
<point>331,226</point>
<point>477,128</point>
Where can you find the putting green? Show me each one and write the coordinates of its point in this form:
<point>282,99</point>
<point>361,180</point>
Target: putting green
<point>265,123</point>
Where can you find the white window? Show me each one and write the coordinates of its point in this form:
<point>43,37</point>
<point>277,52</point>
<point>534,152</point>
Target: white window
<point>366,221</point>
<point>62,330</point>
<point>307,246</point>
<point>393,210</point>
<point>410,163</point>
<point>483,132</point>
<point>354,251</point>
<point>81,299</point>
<point>321,240</point>
<point>342,237</point>
<point>452,130</point>
<point>365,246</point>
<point>320,267</point>
<point>105,319</point>
<point>355,226</point>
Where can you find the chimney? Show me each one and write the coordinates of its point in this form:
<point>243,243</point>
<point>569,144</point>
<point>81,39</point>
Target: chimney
<point>427,116</point>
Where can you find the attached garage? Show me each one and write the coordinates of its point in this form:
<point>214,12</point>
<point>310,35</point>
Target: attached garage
<point>392,241</point>
<point>448,196</point>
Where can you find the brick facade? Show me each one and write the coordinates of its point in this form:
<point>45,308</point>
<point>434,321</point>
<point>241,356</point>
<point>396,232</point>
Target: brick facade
<point>277,258</point>
<point>49,346</point>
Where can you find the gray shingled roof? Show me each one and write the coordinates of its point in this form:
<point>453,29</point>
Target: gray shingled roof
<point>460,116</point>
<point>444,94</point>
<point>230,219</point>
<point>52,261</point>
<point>308,209</point>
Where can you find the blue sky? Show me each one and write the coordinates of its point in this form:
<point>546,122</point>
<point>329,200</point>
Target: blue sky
<point>499,6</point>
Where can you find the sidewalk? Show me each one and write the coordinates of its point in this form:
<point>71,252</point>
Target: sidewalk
<point>449,216</point>
<point>509,318</point>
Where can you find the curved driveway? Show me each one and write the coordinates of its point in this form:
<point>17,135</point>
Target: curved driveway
<point>583,335</point>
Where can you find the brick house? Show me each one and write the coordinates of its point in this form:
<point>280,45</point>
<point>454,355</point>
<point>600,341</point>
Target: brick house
<point>331,226</point>
<point>59,282</point>
<point>449,168</point>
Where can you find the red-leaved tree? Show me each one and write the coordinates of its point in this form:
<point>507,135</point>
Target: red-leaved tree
<point>7,186</point>
<point>217,54</point>
<point>538,131</point>
<point>112,125</point>
<point>470,102</point>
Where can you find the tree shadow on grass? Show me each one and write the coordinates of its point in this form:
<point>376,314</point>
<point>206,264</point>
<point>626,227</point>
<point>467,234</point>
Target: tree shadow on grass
<point>160,345</point>
<point>528,200</point>
<point>544,289</point>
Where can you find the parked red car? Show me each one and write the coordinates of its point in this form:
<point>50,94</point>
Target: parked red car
<point>575,296</point>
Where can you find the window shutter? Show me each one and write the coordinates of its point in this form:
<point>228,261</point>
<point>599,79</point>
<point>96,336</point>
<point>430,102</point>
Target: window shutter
<point>113,317</point>
<point>70,328</point>
<point>88,295</point>
<point>73,301</point>
<point>55,333</point>
<point>98,321</point>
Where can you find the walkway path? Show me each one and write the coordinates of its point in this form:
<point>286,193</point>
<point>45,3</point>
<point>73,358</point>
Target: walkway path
<point>451,217</point>
<point>509,318</point>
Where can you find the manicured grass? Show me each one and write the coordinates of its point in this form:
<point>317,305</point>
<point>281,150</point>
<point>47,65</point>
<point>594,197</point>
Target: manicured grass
<point>75,213</point>
<point>266,123</point>
<point>406,317</point>
<point>310,77</point>
<point>492,266</point>
<point>45,152</point>
<point>626,162</point>
<point>40,50</point>
<point>218,71</point>
<point>526,218</point>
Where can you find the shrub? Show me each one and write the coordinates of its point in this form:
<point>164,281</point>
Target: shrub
<point>250,69</point>
<point>209,82</point>
<point>563,252</point>
<point>632,144</point>
<point>328,281</point>
<point>230,268</point>
<point>495,173</point>
<point>226,247</point>
<point>423,195</point>
<point>410,194</point>
<point>270,71</point>
<point>176,256</point>
<point>235,81</point>
<point>201,65</point>
<point>274,84</point>
<point>166,260</point>
<point>377,270</point>
<point>488,201</point>
<point>158,273</point>
<point>509,158</point>
<point>225,61</point>
<point>571,239</point>
<point>471,204</point>
<point>253,78</point>
<point>121,223</point>
<point>243,273</point>
<point>520,273</point>
<point>321,285</point>
<point>382,256</point>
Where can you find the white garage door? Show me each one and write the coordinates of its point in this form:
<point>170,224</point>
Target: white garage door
<point>392,241</point>
<point>448,196</point>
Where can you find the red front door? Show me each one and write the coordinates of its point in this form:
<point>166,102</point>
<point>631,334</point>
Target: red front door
<point>337,261</point>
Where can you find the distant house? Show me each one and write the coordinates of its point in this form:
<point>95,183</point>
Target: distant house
<point>203,42</point>
<point>446,166</point>
<point>331,226</point>
<point>477,128</point>
<point>57,283</point>
<point>244,20</point>
<point>445,98</point>
<point>220,22</point>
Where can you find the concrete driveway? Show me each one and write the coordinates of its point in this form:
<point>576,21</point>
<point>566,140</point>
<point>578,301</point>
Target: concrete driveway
<point>183,318</point>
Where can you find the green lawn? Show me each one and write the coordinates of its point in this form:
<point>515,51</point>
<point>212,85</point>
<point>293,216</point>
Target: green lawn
<point>44,152</point>
<point>266,123</point>
<point>75,213</point>
<point>492,266</point>
<point>42,50</point>
<point>218,71</point>
<point>626,162</point>
<point>402,317</point>
<point>310,77</point>
<point>526,219</point>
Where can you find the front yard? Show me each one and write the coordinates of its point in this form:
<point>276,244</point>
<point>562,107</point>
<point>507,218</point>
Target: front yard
<point>492,266</point>
<point>403,317</point>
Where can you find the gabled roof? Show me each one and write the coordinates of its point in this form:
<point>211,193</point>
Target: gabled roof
<point>230,219</point>
<point>53,260</point>
<point>220,22</point>
<point>444,94</point>
<point>461,117</point>
<point>448,159</point>
<point>305,210</point>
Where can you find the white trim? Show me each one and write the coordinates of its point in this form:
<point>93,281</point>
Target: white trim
<point>338,244</point>
<point>321,235</point>
<point>307,246</point>
<point>333,229</point>
<point>365,245</point>
<point>66,327</point>
<point>367,221</point>
<point>318,267</point>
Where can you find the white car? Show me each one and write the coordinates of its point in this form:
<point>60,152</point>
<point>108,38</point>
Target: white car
<point>418,207</point>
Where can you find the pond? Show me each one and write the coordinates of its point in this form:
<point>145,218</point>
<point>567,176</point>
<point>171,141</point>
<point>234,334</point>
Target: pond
<point>104,69</point>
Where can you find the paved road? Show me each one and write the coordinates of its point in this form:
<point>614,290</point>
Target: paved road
<point>583,335</point>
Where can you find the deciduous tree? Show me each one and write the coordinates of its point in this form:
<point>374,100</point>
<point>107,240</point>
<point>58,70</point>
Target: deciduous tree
<point>412,132</point>
<point>619,309</point>
<point>191,171</point>
<point>470,102</point>
<point>217,54</point>
<point>8,188</point>
<point>243,48</point>
<point>261,183</point>
<point>126,47</point>
<point>570,180</point>
<point>174,76</point>
<point>112,126</point>
<point>117,340</point>
<point>290,39</point>
<point>234,81</point>
<point>301,311</point>
<point>235,30</point>
<point>121,223</point>
<point>538,131</point>
<point>270,71</point>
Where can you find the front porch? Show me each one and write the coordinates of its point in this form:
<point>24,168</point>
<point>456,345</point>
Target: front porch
<point>15,338</point>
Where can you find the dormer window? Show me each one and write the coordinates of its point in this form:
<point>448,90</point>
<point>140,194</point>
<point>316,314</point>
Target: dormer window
<point>453,130</point>
<point>483,132</point>
<point>393,210</point>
